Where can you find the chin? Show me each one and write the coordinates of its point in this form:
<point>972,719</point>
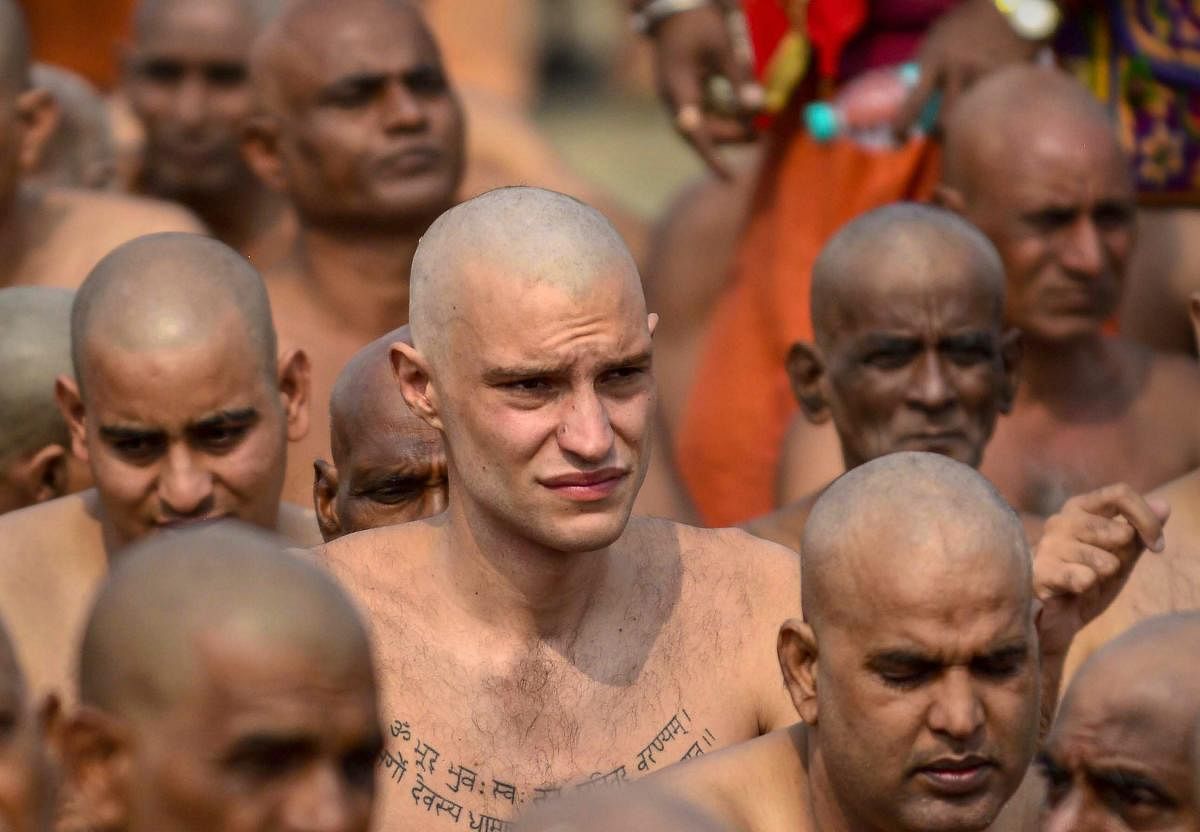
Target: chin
<point>973,815</point>
<point>585,533</point>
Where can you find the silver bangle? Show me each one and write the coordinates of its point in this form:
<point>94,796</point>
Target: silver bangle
<point>655,12</point>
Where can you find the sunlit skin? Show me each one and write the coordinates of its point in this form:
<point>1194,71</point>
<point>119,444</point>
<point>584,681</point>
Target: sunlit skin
<point>180,435</point>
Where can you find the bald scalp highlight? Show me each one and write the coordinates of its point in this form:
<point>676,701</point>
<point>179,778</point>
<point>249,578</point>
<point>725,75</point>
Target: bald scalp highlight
<point>914,499</point>
<point>521,235</point>
<point>996,117</point>
<point>35,348</point>
<point>166,291</point>
<point>15,52</point>
<point>905,233</point>
<point>169,596</point>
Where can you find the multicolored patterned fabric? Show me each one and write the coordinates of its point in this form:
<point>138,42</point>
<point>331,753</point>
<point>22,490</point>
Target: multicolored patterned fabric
<point>1142,57</point>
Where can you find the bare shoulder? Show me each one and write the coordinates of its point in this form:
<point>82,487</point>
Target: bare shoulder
<point>51,530</point>
<point>375,559</point>
<point>1174,378</point>
<point>111,215</point>
<point>751,785</point>
<point>785,525</point>
<point>298,525</point>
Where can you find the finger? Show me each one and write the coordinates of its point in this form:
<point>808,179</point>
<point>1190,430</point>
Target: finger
<point>736,64</point>
<point>914,104</point>
<point>684,92</point>
<point>1106,533</point>
<point>1119,500</point>
<point>728,130</point>
<point>692,125</point>
<point>1067,579</point>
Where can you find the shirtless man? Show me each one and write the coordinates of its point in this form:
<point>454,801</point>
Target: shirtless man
<point>364,135</point>
<point>915,667</point>
<point>535,639</point>
<point>183,413</point>
<point>225,685</point>
<point>36,463</point>
<point>186,77</point>
<point>54,236</point>
<point>28,780</point>
<point>1091,408</point>
<point>388,465</point>
<point>1120,755</point>
<point>911,352</point>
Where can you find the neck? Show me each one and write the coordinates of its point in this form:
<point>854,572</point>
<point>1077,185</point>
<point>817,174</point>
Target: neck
<point>520,590</point>
<point>240,217</point>
<point>829,812</point>
<point>1057,372</point>
<point>359,275</point>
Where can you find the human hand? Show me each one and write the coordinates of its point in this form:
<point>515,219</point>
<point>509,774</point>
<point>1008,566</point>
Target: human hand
<point>1085,556</point>
<point>691,48</point>
<point>964,45</point>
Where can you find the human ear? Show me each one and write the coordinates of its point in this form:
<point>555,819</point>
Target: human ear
<point>96,756</point>
<point>294,386</point>
<point>412,373</point>
<point>38,115</point>
<point>797,648</point>
<point>1011,349</point>
<point>806,371</point>
<point>260,149</point>
<point>325,488</point>
<point>70,404</point>
<point>42,475</point>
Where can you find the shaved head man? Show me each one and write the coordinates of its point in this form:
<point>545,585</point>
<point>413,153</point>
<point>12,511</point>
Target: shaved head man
<point>28,781</point>
<point>54,236</point>
<point>225,685</point>
<point>186,75</point>
<point>911,351</point>
<point>1121,754</point>
<point>36,463</point>
<point>915,667</point>
<point>562,645</point>
<point>388,465</point>
<point>183,413</point>
<point>1091,408</point>
<point>82,152</point>
<point>362,132</point>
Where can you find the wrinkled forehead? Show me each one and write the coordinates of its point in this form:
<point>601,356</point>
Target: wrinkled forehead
<point>379,430</point>
<point>943,296</point>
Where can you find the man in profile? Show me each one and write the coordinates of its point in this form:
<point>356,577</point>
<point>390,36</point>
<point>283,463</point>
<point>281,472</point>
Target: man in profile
<point>182,410</point>
<point>225,685</point>
<point>36,463</point>
<point>54,236</point>
<point>186,76</point>
<point>388,466</point>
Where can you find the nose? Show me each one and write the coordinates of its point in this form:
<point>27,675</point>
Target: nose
<point>191,101</point>
<point>322,803</point>
<point>930,389</point>
<point>402,111</point>
<point>956,712</point>
<point>1081,248</point>
<point>585,430</point>
<point>184,486</point>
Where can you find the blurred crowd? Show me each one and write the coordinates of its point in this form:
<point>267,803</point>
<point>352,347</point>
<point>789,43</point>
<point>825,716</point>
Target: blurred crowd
<point>556,415</point>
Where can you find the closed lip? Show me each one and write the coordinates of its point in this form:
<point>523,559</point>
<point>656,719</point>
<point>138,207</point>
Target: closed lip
<point>957,775</point>
<point>584,479</point>
<point>185,522</point>
<point>937,436</point>
<point>410,160</point>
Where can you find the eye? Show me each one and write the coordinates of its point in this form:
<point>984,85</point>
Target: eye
<point>907,676</point>
<point>220,438</point>
<point>999,668</point>
<point>396,491</point>
<point>890,359</point>
<point>358,766</point>
<point>1112,216</point>
<point>1051,219</point>
<point>266,761</point>
<point>529,385</point>
<point>354,94</point>
<point>162,72</point>
<point>968,355</point>
<point>427,81</point>
<point>225,75</point>
<point>139,449</point>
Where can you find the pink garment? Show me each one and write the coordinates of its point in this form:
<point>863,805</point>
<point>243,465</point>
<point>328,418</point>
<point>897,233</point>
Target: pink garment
<point>892,33</point>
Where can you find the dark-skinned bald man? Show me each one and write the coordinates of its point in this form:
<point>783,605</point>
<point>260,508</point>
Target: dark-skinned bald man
<point>388,465</point>
<point>915,666</point>
<point>225,685</point>
<point>183,412</point>
<point>54,236</point>
<point>36,463</point>
<point>28,779</point>
<point>362,132</point>
<point>186,75</point>
<point>1121,754</point>
<point>911,350</point>
<point>1034,162</point>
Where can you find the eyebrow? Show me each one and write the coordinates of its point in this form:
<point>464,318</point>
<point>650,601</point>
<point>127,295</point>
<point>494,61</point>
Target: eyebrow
<point>499,375</point>
<point>222,418</point>
<point>908,656</point>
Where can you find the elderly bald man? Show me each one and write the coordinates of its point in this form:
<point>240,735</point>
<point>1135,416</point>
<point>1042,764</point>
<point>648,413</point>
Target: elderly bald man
<point>186,76</point>
<point>225,686</point>
<point>54,236</point>
<point>183,412</point>
<point>28,778</point>
<point>915,667</point>
<point>36,463</point>
<point>1121,753</point>
<point>911,350</point>
<point>388,466</point>
<point>1092,408</point>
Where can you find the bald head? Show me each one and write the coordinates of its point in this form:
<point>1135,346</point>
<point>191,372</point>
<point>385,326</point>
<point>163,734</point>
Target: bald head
<point>170,291</point>
<point>14,48</point>
<point>81,153</point>
<point>149,14</point>
<point>1013,110</point>
<point>890,529</point>
<point>510,239</point>
<point>35,348</point>
<point>174,602</point>
<point>896,248</point>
